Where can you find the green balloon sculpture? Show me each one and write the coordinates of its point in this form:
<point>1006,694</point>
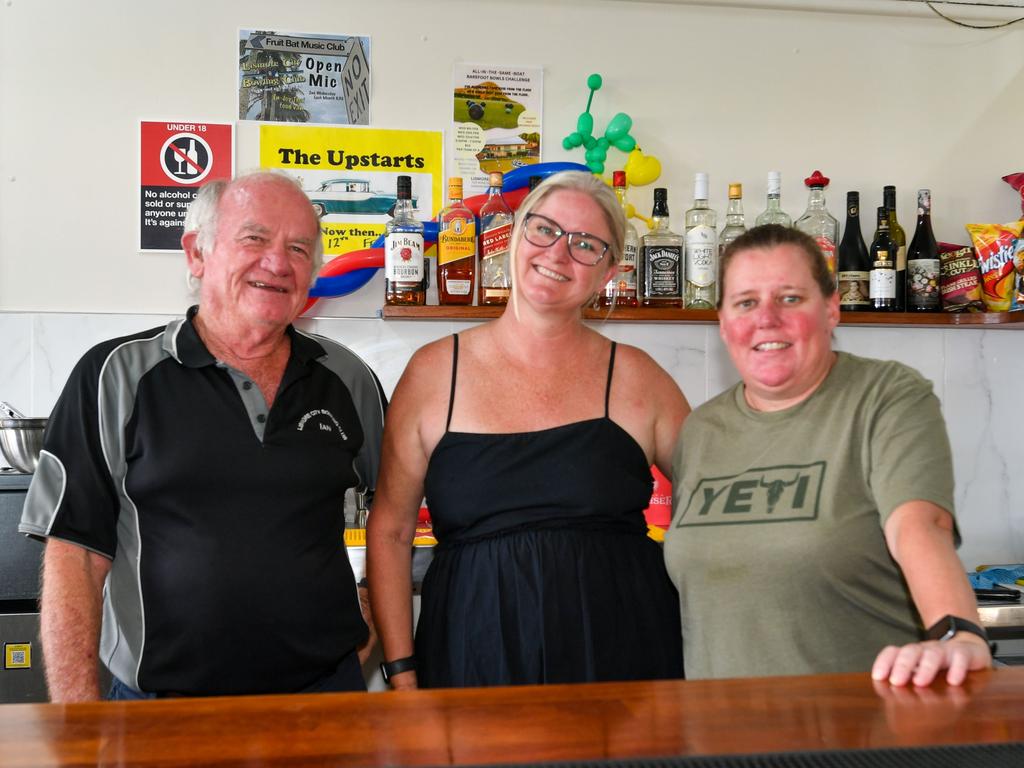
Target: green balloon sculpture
<point>615,135</point>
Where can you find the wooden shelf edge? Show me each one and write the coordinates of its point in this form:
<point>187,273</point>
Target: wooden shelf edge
<point>708,317</point>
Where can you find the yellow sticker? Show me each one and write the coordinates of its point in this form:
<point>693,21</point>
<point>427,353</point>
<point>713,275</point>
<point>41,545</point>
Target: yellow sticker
<point>17,655</point>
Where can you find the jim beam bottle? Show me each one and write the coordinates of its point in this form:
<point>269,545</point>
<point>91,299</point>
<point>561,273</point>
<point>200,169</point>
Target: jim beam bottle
<point>456,249</point>
<point>495,232</point>
<point>405,274</point>
<point>663,253</point>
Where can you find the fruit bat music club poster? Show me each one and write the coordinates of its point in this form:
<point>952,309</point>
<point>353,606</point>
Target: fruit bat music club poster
<point>496,121</point>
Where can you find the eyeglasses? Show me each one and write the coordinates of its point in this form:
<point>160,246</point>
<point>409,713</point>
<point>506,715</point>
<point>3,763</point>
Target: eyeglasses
<point>583,247</point>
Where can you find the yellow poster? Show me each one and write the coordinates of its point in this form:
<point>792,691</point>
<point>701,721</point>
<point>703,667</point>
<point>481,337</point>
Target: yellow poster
<point>350,175</point>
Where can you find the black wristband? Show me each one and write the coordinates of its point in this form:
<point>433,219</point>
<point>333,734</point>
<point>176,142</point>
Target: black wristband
<point>391,668</point>
<point>947,626</point>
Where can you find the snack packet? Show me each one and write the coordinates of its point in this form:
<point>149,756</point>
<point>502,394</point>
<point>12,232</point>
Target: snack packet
<point>995,246</point>
<point>959,279</point>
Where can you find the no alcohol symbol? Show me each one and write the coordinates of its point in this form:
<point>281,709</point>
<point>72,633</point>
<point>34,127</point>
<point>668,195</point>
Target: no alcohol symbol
<point>186,158</point>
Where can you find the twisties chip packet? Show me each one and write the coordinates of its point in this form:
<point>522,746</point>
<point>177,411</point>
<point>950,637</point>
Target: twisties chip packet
<point>995,246</point>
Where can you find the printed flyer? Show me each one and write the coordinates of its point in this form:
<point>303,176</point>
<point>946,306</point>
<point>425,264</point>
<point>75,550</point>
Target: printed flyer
<point>496,121</point>
<point>176,158</point>
<point>351,175</point>
<point>295,77</point>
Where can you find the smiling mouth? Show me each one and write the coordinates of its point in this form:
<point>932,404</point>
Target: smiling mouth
<point>266,287</point>
<point>772,346</point>
<point>550,274</point>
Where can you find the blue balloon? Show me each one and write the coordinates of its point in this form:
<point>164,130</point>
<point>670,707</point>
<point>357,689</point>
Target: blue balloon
<point>518,178</point>
<point>342,285</point>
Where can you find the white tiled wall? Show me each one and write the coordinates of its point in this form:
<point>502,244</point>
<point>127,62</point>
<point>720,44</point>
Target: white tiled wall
<point>977,373</point>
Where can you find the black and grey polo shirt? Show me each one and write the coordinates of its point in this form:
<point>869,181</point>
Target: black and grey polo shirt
<point>224,520</point>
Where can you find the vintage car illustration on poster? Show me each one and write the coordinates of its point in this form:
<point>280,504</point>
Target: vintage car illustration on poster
<point>351,196</point>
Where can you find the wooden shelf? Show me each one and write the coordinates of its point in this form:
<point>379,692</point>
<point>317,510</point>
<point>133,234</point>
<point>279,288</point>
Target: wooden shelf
<point>1014,320</point>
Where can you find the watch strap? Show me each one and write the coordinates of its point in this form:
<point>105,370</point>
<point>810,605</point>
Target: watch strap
<point>391,668</point>
<point>946,627</point>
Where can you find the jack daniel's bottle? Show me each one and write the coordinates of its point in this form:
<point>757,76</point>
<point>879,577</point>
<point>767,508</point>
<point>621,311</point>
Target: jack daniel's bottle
<point>663,258</point>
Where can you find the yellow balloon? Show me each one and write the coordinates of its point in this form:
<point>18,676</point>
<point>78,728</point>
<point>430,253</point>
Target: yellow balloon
<point>641,169</point>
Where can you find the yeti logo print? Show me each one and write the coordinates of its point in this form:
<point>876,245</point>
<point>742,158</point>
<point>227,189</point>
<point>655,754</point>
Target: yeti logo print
<point>761,495</point>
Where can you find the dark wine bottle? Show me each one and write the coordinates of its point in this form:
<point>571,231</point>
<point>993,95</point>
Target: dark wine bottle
<point>923,260</point>
<point>883,266</point>
<point>899,243</point>
<point>854,264</point>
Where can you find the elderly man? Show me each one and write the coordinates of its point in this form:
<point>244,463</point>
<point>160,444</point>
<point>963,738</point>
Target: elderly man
<point>191,485</point>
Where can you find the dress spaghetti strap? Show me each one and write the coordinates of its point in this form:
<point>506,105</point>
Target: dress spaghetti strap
<point>455,368</point>
<point>607,389</point>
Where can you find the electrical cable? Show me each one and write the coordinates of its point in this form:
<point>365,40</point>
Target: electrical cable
<point>941,15</point>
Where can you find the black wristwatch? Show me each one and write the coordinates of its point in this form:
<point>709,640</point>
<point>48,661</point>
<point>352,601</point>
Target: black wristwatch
<point>947,626</point>
<point>391,668</point>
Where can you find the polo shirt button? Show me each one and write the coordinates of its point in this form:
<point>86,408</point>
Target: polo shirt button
<point>261,418</point>
<point>246,385</point>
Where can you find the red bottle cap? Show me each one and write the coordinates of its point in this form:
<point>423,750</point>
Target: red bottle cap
<point>816,180</point>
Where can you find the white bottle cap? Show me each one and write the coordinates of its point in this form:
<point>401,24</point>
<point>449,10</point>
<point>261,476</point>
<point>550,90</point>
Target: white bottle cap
<point>700,186</point>
<point>774,182</point>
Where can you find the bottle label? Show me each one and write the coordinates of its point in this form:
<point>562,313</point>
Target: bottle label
<point>494,242</point>
<point>828,250</point>
<point>923,283</point>
<point>701,249</point>
<point>662,263</point>
<point>456,240</point>
<point>854,289</point>
<point>883,279</point>
<point>458,287</point>
<point>901,259</point>
<point>403,257</point>
<point>626,275</point>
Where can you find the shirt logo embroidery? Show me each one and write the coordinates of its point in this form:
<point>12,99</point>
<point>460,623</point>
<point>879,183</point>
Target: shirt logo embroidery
<point>759,495</point>
<point>321,423</point>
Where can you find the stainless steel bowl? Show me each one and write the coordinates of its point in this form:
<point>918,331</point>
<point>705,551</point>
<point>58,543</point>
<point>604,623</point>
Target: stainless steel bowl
<point>20,442</point>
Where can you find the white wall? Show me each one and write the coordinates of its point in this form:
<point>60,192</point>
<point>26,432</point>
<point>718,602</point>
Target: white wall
<point>870,99</point>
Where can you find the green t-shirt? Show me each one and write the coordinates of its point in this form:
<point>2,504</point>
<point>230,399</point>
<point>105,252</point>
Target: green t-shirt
<point>776,544</point>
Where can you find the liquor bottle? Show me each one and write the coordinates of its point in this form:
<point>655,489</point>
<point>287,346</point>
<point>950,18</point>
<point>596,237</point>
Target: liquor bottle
<point>193,155</point>
<point>735,223</point>
<point>495,231</point>
<point>883,266</point>
<point>662,258</point>
<point>818,222</point>
<point>899,241</point>
<point>923,260</point>
<point>774,214</point>
<point>456,249</point>
<point>701,249</point>
<point>620,290</point>
<point>854,264</point>
<point>404,267</point>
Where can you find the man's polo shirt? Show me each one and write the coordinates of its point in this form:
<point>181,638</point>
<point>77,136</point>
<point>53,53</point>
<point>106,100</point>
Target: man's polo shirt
<point>224,520</point>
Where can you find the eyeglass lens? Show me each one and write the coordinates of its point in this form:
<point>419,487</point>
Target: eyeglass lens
<point>543,232</point>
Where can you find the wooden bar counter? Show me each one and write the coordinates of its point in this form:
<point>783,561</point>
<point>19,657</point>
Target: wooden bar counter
<point>519,725</point>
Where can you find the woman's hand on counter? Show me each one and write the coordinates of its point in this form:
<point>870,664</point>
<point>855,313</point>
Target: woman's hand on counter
<point>921,663</point>
<point>404,681</point>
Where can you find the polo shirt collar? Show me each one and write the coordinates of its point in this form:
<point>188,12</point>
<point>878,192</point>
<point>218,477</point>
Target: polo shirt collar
<point>183,342</point>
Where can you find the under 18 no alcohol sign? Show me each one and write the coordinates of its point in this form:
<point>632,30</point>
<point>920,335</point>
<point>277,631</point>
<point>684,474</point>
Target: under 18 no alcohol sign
<point>177,159</point>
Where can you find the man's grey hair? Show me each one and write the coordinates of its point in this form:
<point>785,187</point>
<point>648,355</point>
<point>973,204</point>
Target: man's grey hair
<point>203,213</point>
